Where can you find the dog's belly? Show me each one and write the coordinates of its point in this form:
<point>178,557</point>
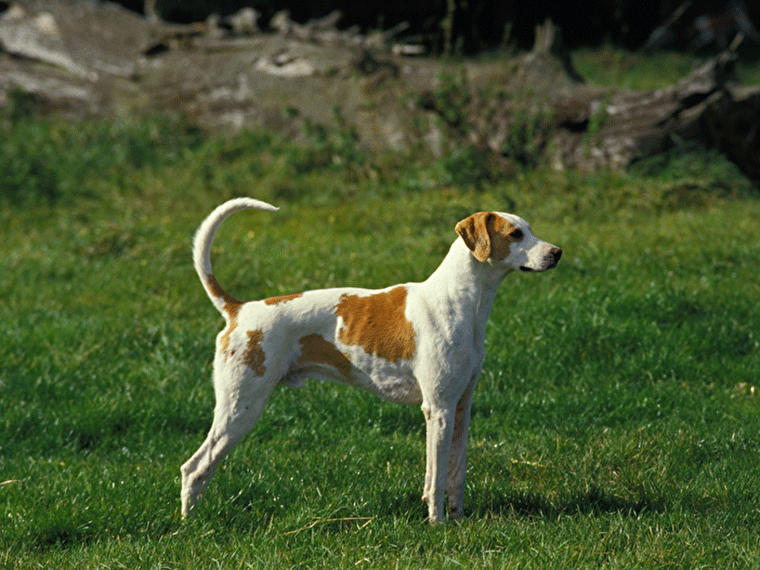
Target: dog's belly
<point>391,381</point>
<point>396,389</point>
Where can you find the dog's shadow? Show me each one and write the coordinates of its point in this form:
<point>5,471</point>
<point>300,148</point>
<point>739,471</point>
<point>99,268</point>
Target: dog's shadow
<point>592,501</point>
<point>482,504</point>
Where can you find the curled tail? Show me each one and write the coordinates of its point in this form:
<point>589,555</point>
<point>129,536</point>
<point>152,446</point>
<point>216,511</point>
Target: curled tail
<point>204,237</point>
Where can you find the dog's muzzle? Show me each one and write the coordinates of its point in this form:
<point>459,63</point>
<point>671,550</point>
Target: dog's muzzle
<point>550,261</point>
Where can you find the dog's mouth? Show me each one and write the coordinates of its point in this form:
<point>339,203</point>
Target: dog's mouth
<point>526,269</point>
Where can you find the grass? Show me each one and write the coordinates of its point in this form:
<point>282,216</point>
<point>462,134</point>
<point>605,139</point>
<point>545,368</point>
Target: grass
<point>615,425</point>
<point>611,66</point>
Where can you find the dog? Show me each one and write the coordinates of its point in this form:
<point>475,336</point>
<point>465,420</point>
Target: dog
<point>416,343</point>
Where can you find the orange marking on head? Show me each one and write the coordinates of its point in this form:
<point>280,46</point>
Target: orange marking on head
<point>377,323</point>
<point>254,354</point>
<point>503,235</point>
<point>488,235</point>
<point>316,350</point>
<point>282,299</point>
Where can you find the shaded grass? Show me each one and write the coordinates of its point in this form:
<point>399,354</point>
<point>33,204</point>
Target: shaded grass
<point>615,424</point>
<point>612,66</point>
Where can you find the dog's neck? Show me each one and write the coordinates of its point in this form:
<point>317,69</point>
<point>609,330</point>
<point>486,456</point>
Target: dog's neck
<point>465,286</point>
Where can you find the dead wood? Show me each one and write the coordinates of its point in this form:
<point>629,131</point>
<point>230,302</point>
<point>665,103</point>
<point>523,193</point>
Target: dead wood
<point>546,112</point>
<point>100,59</point>
<point>615,128</point>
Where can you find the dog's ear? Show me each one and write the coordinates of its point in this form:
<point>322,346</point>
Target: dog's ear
<point>474,232</point>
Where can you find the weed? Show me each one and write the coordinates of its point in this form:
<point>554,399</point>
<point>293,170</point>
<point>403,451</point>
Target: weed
<point>450,99</point>
<point>597,120</point>
<point>528,136</point>
<point>336,146</point>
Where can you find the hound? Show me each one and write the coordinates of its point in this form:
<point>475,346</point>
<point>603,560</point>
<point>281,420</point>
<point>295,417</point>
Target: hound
<point>416,343</point>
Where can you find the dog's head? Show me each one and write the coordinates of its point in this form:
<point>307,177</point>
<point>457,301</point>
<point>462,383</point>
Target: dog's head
<point>506,239</point>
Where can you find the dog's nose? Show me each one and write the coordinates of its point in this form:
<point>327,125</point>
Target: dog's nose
<point>556,253</point>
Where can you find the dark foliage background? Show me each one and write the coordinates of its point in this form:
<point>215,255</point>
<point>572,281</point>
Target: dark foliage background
<point>489,24</point>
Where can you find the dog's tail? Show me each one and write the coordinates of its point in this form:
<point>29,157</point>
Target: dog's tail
<point>204,237</point>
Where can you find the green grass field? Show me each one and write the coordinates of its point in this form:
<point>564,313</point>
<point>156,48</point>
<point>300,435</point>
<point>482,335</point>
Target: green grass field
<point>615,425</point>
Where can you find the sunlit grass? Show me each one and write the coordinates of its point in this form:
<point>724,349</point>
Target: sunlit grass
<point>615,424</point>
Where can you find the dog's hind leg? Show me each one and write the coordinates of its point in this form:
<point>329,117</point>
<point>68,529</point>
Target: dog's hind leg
<point>237,411</point>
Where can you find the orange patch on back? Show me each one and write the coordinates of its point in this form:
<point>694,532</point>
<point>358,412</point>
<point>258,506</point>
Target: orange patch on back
<point>231,305</point>
<point>282,299</point>
<point>377,323</point>
<point>316,350</point>
<point>254,353</point>
<point>225,338</point>
<point>231,308</point>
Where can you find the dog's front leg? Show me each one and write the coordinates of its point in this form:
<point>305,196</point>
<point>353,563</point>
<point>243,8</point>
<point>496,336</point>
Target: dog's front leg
<point>458,457</point>
<point>439,425</point>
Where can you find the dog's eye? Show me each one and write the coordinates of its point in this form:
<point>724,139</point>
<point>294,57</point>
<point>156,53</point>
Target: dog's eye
<point>516,234</point>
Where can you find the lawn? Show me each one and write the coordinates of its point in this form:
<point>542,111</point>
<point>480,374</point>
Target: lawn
<point>615,425</point>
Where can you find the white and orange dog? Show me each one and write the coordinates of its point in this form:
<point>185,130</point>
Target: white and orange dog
<point>417,343</point>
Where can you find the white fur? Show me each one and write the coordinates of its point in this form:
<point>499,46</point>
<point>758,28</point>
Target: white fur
<point>265,343</point>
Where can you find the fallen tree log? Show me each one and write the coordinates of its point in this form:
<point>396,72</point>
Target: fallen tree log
<point>100,59</point>
<point>547,113</point>
<point>732,123</point>
<point>705,106</point>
